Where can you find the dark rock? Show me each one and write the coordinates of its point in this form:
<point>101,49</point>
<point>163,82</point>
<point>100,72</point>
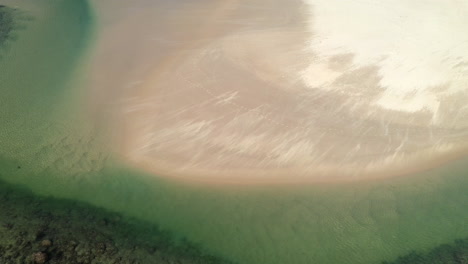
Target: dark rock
<point>40,234</point>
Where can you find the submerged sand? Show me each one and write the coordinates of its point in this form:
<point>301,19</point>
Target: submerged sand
<point>264,90</point>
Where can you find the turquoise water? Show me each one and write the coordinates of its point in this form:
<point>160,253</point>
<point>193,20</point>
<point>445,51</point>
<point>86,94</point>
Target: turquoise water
<point>47,145</point>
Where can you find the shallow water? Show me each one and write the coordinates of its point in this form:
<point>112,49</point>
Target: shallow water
<point>49,145</point>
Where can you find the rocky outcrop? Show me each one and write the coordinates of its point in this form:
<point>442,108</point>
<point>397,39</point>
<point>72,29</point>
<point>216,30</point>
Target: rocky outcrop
<point>46,230</point>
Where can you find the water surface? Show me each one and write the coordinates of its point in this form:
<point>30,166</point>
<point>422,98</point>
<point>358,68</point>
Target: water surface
<point>52,145</point>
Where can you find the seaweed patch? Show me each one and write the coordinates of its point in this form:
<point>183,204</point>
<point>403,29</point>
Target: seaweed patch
<point>455,253</point>
<point>11,21</point>
<point>7,23</point>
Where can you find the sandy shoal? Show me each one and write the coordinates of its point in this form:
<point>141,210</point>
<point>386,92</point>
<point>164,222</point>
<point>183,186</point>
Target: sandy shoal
<point>234,92</point>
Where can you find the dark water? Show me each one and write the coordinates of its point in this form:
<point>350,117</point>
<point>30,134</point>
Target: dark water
<point>50,149</point>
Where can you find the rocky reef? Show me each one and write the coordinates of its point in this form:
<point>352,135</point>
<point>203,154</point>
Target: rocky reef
<point>48,230</point>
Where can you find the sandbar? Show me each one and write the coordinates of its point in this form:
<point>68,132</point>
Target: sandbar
<point>267,91</point>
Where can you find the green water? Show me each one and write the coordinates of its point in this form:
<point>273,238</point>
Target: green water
<point>46,145</point>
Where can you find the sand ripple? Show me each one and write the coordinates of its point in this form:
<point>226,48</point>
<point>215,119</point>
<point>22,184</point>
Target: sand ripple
<point>262,91</point>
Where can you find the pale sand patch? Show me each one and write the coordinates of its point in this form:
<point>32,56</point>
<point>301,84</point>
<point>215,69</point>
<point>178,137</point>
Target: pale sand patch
<point>221,97</point>
<point>419,46</point>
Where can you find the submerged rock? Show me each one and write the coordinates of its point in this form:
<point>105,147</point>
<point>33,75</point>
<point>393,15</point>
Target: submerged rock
<point>40,257</point>
<point>77,236</point>
<point>46,243</point>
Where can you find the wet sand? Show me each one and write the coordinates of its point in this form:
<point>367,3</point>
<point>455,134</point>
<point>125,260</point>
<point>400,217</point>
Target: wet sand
<point>268,91</point>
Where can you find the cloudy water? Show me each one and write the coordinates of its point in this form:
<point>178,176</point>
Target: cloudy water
<point>94,94</point>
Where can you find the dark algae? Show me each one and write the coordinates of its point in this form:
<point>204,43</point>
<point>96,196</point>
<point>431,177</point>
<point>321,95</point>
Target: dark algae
<point>6,23</point>
<point>37,229</point>
<point>11,21</point>
<point>455,253</point>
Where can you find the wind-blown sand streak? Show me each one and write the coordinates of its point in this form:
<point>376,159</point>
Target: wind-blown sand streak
<point>263,91</point>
